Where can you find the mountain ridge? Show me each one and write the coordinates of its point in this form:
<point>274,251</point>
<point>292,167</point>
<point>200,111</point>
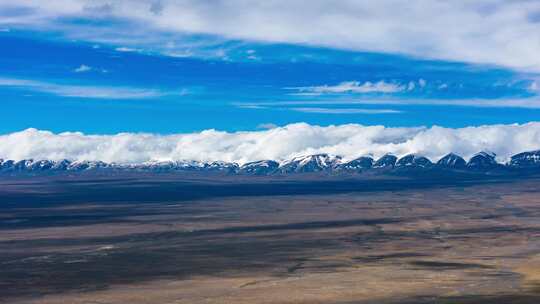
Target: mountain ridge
<point>316,163</point>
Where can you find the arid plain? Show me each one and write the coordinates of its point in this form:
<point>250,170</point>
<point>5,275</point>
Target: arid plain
<point>170,240</point>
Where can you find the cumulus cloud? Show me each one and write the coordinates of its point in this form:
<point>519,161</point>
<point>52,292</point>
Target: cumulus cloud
<point>491,31</point>
<point>279,143</point>
<point>79,91</point>
<point>353,87</point>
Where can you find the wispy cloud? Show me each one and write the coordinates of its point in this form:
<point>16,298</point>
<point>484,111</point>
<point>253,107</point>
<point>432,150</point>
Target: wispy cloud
<point>250,106</point>
<point>443,86</point>
<point>531,102</point>
<point>534,87</point>
<point>352,87</point>
<point>80,91</point>
<point>505,34</point>
<point>82,68</point>
<point>344,110</point>
<point>126,49</point>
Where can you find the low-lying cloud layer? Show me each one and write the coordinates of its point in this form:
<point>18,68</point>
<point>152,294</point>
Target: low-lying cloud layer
<point>349,141</point>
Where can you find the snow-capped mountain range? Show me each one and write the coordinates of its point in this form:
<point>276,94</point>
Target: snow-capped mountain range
<point>483,161</point>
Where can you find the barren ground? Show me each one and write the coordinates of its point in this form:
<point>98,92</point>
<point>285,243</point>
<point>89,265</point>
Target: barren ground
<point>108,241</point>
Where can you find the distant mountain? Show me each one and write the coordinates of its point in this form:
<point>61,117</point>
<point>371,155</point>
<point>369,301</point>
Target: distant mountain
<point>318,163</point>
<point>262,167</point>
<point>310,163</point>
<point>452,160</point>
<point>219,166</point>
<point>413,161</point>
<point>387,161</point>
<point>40,165</point>
<point>525,159</point>
<point>164,166</point>
<point>356,165</point>
<point>483,161</point>
<point>61,165</point>
<point>88,165</point>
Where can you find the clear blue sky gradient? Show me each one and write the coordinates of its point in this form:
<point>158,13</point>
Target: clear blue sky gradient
<point>48,82</point>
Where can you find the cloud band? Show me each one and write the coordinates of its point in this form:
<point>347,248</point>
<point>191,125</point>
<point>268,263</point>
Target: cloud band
<point>349,141</point>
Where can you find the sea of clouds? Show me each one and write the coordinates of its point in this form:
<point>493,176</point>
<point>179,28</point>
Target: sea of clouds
<point>279,143</point>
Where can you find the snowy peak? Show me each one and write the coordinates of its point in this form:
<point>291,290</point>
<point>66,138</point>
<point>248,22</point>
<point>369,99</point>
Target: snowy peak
<point>219,166</point>
<point>160,165</point>
<point>482,160</point>
<point>261,167</point>
<point>23,164</point>
<point>413,161</point>
<point>310,163</point>
<point>40,165</point>
<point>387,161</point>
<point>61,165</point>
<point>6,164</point>
<point>357,165</point>
<point>526,159</point>
<point>27,165</point>
<point>87,165</point>
<point>163,166</point>
<point>452,160</point>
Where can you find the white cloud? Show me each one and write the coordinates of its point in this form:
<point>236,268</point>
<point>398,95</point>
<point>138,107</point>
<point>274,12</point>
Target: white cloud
<point>85,68</point>
<point>353,87</point>
<point>350,141</point>
<point>344,110</point>
<point>490,31</point>
<point>250,106</point>
<point>442,86</point>
<point>530,102</point>
<point>534,87</point>
<point>80,91</point>
<point>125,49</point>
<point>82,68</point>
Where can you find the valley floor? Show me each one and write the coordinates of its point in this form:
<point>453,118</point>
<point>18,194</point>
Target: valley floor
<point>142,240</point>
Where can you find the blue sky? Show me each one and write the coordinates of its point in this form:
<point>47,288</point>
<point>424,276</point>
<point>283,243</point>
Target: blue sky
<point>76,66</point>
